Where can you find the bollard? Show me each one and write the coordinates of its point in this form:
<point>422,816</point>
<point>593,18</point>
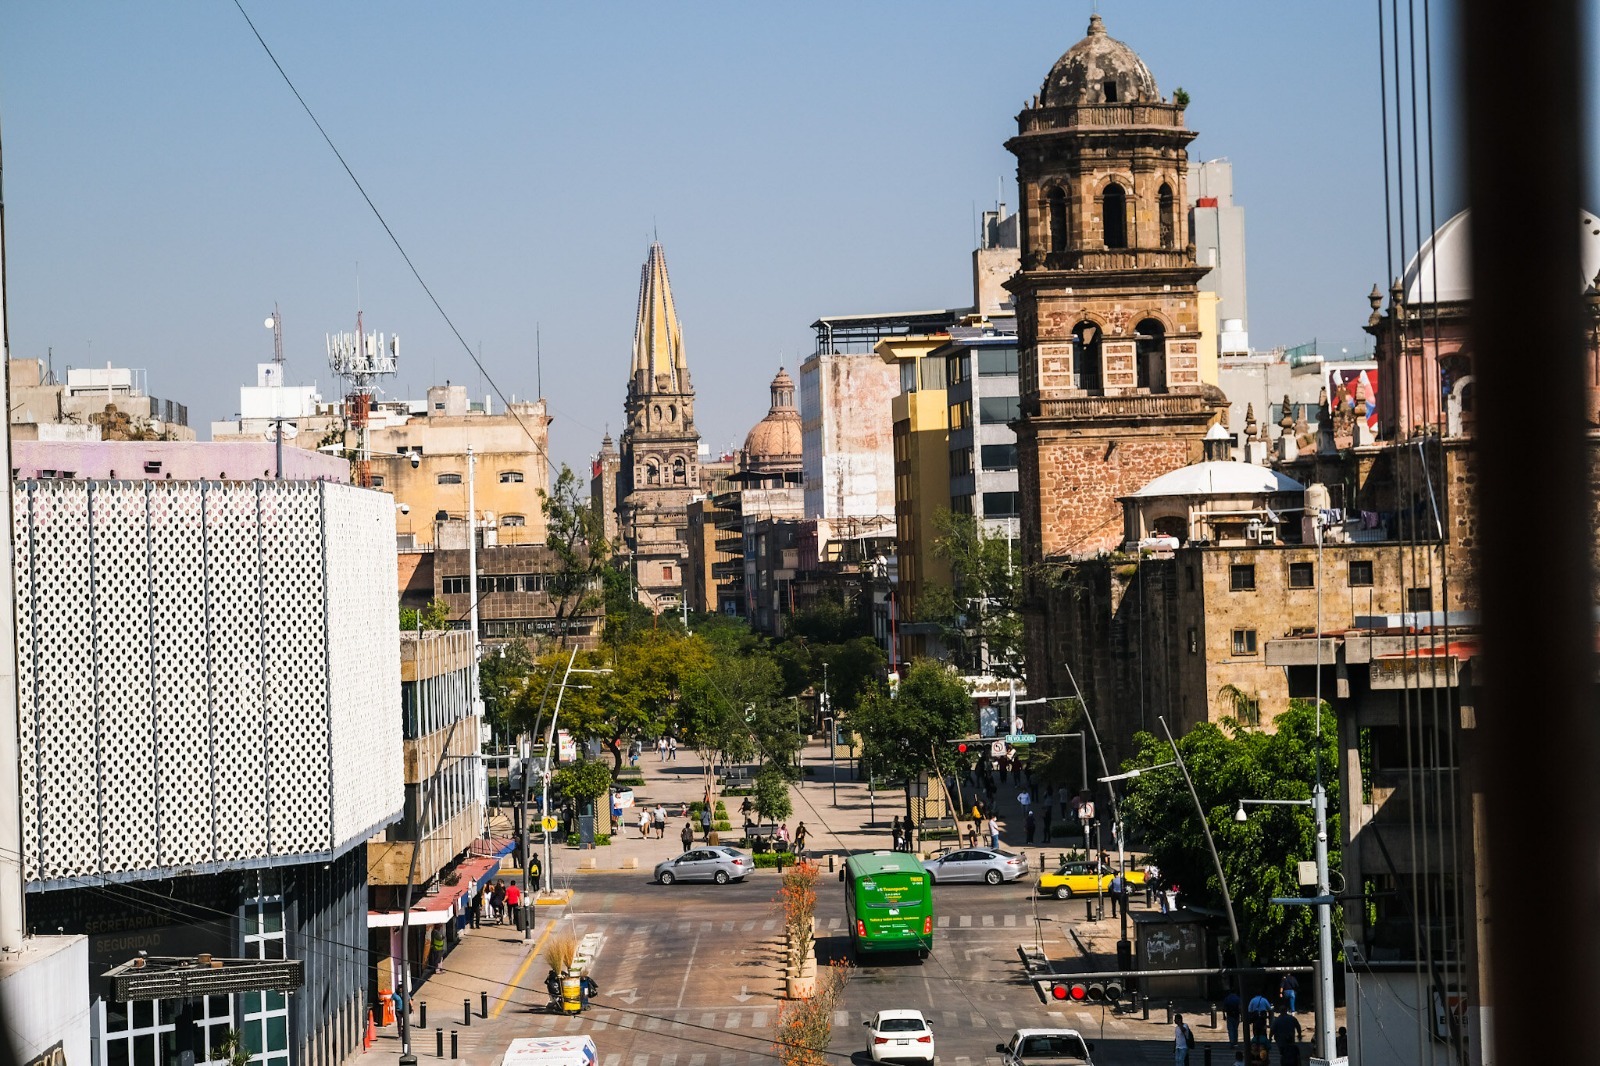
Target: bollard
<point>1205,1056</point>
<point>422,1015</point>
<point>1145,1002</point>
<point>1169,1012</point>
<point>483,1009</point>
<point>1213,1015</point>
<point>466,1012</point>
<point>455,1046</point>
<point>1088,909</point>
<point>438,1042</point>
<point>830,864</point>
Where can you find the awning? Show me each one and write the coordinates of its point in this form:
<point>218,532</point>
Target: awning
<point>442,906</point>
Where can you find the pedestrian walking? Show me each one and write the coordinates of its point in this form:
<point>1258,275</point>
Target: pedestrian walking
<point>994,833</point>
<point>800,841</point>
<point>1231,1008</point>
<point>1119,888</point>
<point>1182,1040</point>
<point>687,836</point>
<point>535,874</point>
<point>436,946</point>
<point>661,821</point>
<point>896,833</point>
<point>1151,876</point>
<point>1049,810</point>
<point>672,749</point>
<point>705,821</point>
<point>1025,799</point>
<point>497,901</point>
<point>646,816</point>
<point>1259,1011</point>
<point>1028,826</point>
<point>1286,992</point>
<point>1286,1034</point>
<point>513,903</point>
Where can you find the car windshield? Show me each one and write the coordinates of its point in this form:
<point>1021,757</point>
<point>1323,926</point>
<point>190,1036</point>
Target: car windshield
<point>900,1025</point>
<point>1038,1048</point>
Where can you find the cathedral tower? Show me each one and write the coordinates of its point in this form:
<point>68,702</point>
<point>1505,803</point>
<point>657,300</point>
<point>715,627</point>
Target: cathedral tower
<point>1115,389</point>
<point>660,447</point>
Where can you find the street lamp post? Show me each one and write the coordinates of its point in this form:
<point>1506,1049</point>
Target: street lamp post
<point>1124,947</point>
<point>1323,901</point>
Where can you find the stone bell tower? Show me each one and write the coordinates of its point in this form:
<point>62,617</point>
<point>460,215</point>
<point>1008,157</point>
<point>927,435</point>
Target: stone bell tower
<point>1115,388</point>
<point>660,460</point>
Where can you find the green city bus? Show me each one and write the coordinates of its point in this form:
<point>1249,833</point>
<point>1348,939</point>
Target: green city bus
<point>888,903</point>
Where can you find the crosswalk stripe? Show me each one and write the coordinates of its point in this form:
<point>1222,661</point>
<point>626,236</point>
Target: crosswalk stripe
<point>733,1021</point>
<point>1011,921</point>
<point>965,922</point>
<point>759,1021</point>
<point>944,921</point>
<point>988,921</point>
<point>708,1021</point>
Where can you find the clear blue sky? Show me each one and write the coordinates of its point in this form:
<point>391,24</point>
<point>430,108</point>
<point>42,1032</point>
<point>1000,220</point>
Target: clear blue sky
<point>163,187</point>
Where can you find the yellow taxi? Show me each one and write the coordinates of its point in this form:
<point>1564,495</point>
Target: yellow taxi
<point>1083,878</point>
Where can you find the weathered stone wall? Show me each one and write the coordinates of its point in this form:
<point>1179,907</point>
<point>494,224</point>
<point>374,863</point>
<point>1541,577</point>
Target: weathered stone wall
<point>1082,473</point>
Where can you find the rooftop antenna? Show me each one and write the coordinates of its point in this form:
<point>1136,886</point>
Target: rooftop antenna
<point>275,324</point>
<point>538,360</point>
<point>361,358</point>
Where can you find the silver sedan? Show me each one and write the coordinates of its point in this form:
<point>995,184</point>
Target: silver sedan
<point>977,864</point>
<point>717,864</point>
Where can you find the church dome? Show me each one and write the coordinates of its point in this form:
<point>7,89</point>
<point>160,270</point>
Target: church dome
<point>1098,70</point>
<point>1220,479</point>
<point>773,444</point>
<point>1442,271</point>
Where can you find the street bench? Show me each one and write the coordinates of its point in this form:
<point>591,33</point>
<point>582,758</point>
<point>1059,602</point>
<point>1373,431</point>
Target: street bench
<point>760,832</point>
<point>936,823</point>
<point>737,775</point>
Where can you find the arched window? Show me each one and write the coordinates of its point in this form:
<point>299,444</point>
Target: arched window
<point>672,412</point>
<point>1114,216</point>
<point>513,520</point>
<point>656,411</point>
<point>652,474</point>
<point>1056,205</point>
<point>1151,365</point>
<point>1169,230</point>
<point>1086,356</point>
<point>449,479</point>
<point>510,477</point>
<point>679,471</point>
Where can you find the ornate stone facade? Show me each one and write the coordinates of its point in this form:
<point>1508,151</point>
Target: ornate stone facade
<point>659,465</point>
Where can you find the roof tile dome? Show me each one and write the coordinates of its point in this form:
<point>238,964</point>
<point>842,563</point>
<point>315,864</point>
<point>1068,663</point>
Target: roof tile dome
<point>773,444</point>
<point>1099,70</point>
<point>1220,479</point>
<point>1441,272</point>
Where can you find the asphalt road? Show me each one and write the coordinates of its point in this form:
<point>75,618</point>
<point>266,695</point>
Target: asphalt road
<point>689,976</point>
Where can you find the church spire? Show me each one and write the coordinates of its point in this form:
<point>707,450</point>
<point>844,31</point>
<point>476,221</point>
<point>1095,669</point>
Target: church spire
<point>657,337</point>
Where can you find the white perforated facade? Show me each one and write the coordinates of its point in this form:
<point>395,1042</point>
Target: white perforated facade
<point>208,673</point>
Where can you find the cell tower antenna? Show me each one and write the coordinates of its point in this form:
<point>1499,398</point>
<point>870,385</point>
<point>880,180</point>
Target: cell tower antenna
<point>360,359</point>
<point>276,322</point>
<point>538,360</point>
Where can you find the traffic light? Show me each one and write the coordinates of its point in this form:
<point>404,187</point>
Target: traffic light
<point>1076,991</point>
<point>962,747</point>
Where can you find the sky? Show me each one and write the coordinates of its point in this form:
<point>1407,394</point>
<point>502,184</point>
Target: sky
<point>164,189</point>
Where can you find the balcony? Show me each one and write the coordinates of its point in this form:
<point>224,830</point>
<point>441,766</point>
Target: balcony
<point>1100,116</point>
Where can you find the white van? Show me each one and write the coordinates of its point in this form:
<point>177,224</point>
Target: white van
<point>551,1051</point>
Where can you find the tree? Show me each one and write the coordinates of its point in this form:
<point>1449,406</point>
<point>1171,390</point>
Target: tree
<point>575,535</point>
<point>978,612</point>
<point>502,678</point>
<point>1260,856</point>
<point>771,798</point>
<point>725,708</point>
<point>910,732</point>
<point>436,615</point>
<point>583,782</point>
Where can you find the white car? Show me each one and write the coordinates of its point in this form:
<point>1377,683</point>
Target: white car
<point>899,1034</point>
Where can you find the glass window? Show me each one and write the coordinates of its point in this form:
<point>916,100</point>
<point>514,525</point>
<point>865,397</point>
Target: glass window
<point>908,376</point>
<point>1360,572</point>
<point>1000,504</point>
<point>961,461</point>
<point>955,370</point>
<point>1302,576</point>
<point>454,586</point>
<point>997,361</point>
<point>449,479</point>
<point>377,481</point>
<point>1242,577</point>
<point>998,409</point>
<point>510,477</point>
<point>960,414</point>
<point>1244,642</point>
<point>999,456</point>
<point>1419,599</point>
<point>513,520</point>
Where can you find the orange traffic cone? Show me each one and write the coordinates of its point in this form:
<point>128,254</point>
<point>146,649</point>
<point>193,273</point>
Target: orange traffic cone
<point>372,1032</point>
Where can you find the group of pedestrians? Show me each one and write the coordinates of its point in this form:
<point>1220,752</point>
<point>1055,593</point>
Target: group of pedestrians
<point>652,822</point>
<point>501,901</point>
<point>667,749</point>
<point>1264,1026</point>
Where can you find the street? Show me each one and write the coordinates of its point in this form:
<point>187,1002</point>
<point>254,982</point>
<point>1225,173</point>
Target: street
<point>689,976</point>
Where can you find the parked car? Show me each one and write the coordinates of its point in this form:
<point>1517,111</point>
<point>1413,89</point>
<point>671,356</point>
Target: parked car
<point>1083,878</point>
<point>1031,1047</point>
<point>976,864</point>
<point>714,863</point>
<point>899,1034</point>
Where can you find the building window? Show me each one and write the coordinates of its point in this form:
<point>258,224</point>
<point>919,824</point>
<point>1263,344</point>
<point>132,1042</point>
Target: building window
<point>1244,642</point>
<point>679,471</point>
<point>960,414</point>
<point>1188,574</point>
<point>1419,599</point>
<point>1109,90</point>
<point>449,479</point>
<point>666,572</point>
<point>513,520</point>
<point>1000,410</point>
<point>1114,216</point>
<point>999,456</point>
<point>453,586</point>
<point>1302,576</point>
<point>1360,573</point>
<point>1056,208</point>
<point>1000,504</point>
<point>377,481</point>
<point>955,370</point>
<point>137,1033</point>
<point>1247,709</point>
<point>1169,233</point>
<point>960,463</point>
<point>265,1015</point>
<point>961,504</point>
<point>1194,641</point>
<point>652,474</point>
<point>510,477</point>
<point>1242,577</point>
<point>996,361</point>
<point>1150,340</point>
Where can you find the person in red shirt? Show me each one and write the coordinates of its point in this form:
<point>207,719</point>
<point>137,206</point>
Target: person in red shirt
<point>514,897</point>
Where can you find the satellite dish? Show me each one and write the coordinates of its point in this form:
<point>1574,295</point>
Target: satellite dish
<point>290,431</point>
<point>269,323</point>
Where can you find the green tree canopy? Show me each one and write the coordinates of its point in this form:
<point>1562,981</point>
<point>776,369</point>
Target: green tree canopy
<point>436,615</point>
<point>575,534</point>
<point>978,612</point>
<point>583,781</point>
<point>771,799</point>
<point>910,732</point>
<point>1260,855</point>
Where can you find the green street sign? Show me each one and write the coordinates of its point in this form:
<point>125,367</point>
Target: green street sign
<point>1021,738</point>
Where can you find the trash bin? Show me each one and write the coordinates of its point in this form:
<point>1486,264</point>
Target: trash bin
<point>571,994</point>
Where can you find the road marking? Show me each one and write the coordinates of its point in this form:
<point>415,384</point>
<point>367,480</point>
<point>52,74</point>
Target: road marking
<point>747,927</point>
<point>708,1021</point>
<point>769,925</point>
<point>727,927</point>
<point>988,921</point>
<point>841,1017</point>
<point>641,1060</point>
<point>516,978</point>
<point>759,1021</point>
<point>944,921</point>
<point>697,1060</point>
<point>733,1020</point>
<point>1011,921</point>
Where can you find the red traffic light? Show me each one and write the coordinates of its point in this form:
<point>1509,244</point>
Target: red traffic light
<point>962,747</point>
<point>1077,990</point>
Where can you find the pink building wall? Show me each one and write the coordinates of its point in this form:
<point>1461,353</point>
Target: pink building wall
<point>133,460</point>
